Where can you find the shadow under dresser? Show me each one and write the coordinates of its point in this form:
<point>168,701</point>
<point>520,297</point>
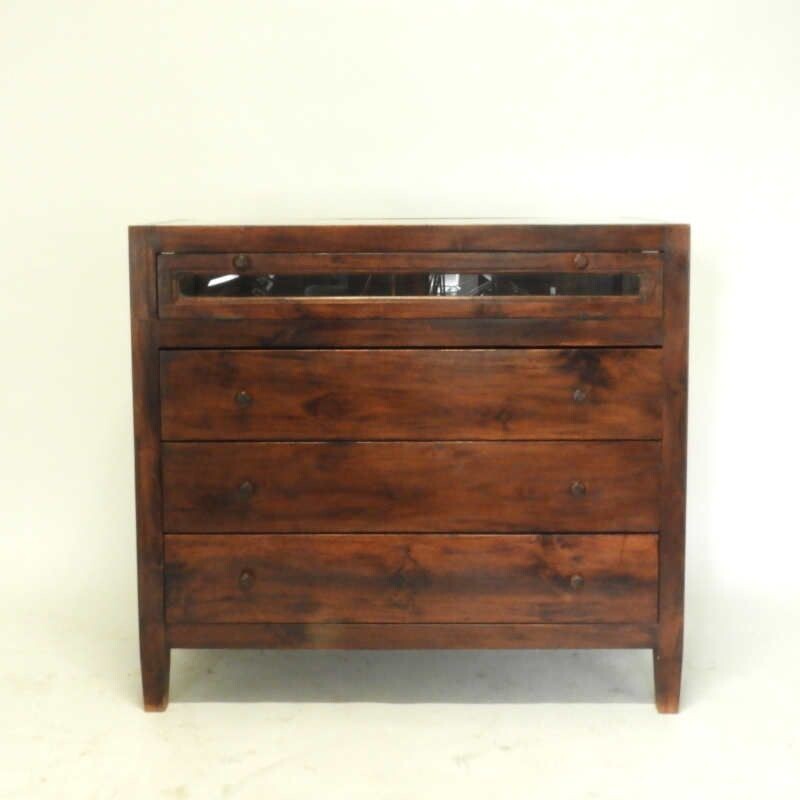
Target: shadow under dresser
<point>386,435</point>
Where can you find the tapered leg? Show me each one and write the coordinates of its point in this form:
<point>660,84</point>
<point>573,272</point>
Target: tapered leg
<point>667,673</point>
<point>155,670</point>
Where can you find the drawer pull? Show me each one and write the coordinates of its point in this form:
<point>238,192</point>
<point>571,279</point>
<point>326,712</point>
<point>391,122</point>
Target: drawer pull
<point>576,582</point>
<point>580,395</point>
<point>246,490</point>
<point>241,262</point>
<point>246,579</point>
<point>581,261</point>
<point>577,489</point>
<point>243,399</point>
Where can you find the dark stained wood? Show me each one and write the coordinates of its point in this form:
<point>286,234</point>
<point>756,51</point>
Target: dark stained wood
<point>288,308</point>
<point>153,647</point>
<point>212,264</point>
<point>411,578</point>
<point>444,394</point>
<point>430,493</point>
<point>411,486</point>
<point>648,303</point>
<point>360,237</point>
<point>186,333</point>
<point>411,636</point>
<point>668,655</point>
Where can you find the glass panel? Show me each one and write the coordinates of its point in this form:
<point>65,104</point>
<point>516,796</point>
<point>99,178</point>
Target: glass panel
<point>421,284</point>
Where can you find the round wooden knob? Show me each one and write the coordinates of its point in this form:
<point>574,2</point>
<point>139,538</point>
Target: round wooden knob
<point>581,261</point>
<point>576,582</point>
<point>580,395</point>
<point>246,579</point>
<point>241,262</point>
<point>577,489</point>
<point>243,399</point>
<point>246,490</point>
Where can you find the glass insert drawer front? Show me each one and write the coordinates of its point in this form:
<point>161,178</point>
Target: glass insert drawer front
<point>407,285</point>
<point>420,284</point>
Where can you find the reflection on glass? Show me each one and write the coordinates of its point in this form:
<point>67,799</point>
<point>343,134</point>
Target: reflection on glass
<point>422,284</point>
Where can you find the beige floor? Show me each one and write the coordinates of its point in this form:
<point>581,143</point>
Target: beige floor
<point>396,725</point>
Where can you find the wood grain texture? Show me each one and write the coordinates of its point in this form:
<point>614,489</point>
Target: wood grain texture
<point>377,494</point>
<point>411,578</point>
<point>442,394</point>
<point>411,333</point>
<point>411,636</point>
<point>153,648</point>
<point>648,303</point>
<point>288,308</point>
<point>411,486</point>
<point>212,264</point>
<point>668,655</point>
<point>400,236</point>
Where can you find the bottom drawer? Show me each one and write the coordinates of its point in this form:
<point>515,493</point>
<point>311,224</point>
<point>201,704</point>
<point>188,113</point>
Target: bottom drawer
<point>411,578</point>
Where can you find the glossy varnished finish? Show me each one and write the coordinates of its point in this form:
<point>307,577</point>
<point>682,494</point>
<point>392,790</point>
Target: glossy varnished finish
<point>410,472</point>
<point>411,578</point>
<point>411,486</point>
<point>444,394</point>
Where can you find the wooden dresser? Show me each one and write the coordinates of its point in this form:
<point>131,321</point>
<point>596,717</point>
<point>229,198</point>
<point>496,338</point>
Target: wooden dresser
<point>410,436</point>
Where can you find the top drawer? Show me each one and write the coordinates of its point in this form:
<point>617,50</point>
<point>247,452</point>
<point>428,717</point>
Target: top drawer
<point>410,285</point>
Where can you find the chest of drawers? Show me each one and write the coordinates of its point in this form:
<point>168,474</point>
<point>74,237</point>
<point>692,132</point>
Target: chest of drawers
<point>410,436</point>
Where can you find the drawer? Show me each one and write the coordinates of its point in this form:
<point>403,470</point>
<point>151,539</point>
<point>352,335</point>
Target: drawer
<point>589,393</point>
<point>411,486</point>
<point>411,578</point>
<point>435,285</point>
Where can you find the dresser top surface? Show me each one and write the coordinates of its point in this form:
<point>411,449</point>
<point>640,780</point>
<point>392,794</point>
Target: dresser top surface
<point>223,222</point>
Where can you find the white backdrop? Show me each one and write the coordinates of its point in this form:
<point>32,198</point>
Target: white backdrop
<point>128,112</point>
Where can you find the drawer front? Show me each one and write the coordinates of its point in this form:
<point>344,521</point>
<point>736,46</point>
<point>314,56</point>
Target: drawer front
<point>411,486</point>
<point>589,393</point>
<point>435,285</point>
<point>411,578</point>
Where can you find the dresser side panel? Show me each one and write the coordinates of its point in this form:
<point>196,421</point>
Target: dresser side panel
<point>669,653</point>
<point>154,650</point>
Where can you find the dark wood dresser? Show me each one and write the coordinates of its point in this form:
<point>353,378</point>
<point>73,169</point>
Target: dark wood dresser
<point>410,436</point>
